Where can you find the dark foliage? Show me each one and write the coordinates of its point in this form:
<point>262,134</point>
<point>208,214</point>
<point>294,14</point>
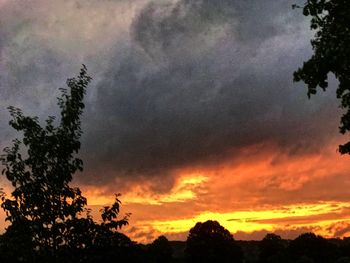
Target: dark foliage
<point>160,250</point>
<point>48,218</point>
<point>331,21</point>
<point>210,242</point>
<point>343,260</point>
<point>345,247</point>
<point>305,248</point>
<point>16,245</point>
<point>316,248</point>
<point>272,249</point>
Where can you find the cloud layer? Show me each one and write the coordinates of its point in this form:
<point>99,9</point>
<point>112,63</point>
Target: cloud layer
<point>181,88</point>
<point>200,81</point>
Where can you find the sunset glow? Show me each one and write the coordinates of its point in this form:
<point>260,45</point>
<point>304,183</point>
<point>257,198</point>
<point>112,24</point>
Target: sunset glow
<point>192,113</point>
<point>270,193</point>
<point>302,215</point>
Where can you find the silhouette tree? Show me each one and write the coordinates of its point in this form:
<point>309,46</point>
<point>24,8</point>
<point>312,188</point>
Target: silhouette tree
<point>210,242</point>
<point>331,21</point>
<point>110,246</point>
<point>314,247</point>
<point>272,249</point>
<point>160,250</point>
<point>40,167</point>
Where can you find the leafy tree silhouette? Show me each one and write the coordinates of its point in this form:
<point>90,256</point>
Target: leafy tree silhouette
<point>314,247</point>
<point>160,250</point>
<point>272,249</point>
<point>16,245</point>
<point>210,242</point>
<point>42,204</point>
<point>331,21</point>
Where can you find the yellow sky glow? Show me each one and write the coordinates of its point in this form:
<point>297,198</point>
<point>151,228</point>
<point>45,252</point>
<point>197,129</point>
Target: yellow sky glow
<point>249,221</point>
<point>269,192</point>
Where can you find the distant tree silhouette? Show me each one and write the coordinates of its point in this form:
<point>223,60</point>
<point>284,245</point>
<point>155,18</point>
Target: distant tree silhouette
<point>113,247</point>
<point>272,249</point>
<point>40,167</point>
<point>210,242</point>
<point>331,21</point>
<point>160,250</point>
<point>314,247</point>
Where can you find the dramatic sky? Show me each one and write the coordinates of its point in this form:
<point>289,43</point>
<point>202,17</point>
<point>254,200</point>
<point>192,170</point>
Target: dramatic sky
<point>192,113</point>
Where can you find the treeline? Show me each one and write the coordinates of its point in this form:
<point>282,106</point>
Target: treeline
<point>207,242</point>
<point>306,248</point>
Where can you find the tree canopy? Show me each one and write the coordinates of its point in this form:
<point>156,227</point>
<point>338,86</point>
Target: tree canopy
<point>272,249</point>
<point>331,22</point>
<point>210,242</point>
<point>311,246</point>
<point>160,250</point>
<point>40,166</point>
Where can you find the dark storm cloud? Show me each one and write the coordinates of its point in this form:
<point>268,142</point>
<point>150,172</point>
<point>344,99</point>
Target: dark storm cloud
<point>188,83</point>
<point>30,73</point>
<point>200,81</point>
<point>44,43</point>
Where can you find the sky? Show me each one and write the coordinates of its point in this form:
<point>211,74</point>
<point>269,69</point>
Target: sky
<point>192,113</point>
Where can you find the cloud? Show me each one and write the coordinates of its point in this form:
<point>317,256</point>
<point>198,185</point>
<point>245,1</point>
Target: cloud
<point>284,233</point>
<point>198,82</point>
<point>180,87</point>
<point>288,222</point>
<point>339,229</point>
<point>177,84</point>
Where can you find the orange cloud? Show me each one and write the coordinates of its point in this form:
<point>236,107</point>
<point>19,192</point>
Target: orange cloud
<point>264,190</point>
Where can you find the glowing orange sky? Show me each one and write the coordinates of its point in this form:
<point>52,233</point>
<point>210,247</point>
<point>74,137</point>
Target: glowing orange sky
<point>195,120</point>
<point>263,191</point>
